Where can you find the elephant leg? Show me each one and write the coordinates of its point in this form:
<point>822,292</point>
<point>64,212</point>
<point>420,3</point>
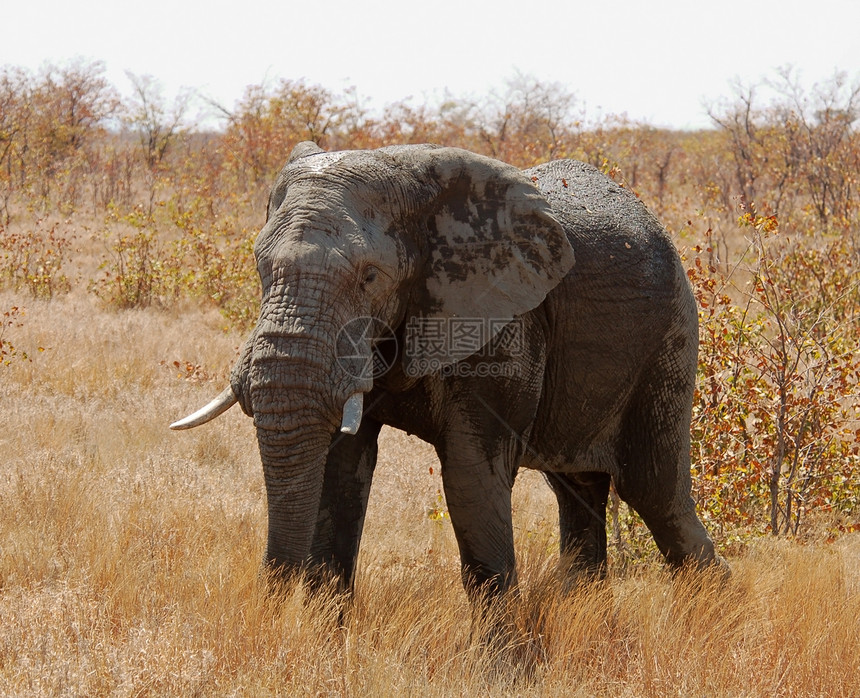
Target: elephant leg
<point>478,495</point>
<point>678,532</point>
<point>343,503</point>
<point>582,499</point>
<point>655,476</point>
<point>671,517</point>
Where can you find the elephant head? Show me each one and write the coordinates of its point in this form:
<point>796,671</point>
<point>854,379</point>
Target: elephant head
<point>407,236</point>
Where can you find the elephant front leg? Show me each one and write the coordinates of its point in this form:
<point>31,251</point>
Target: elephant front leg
<point>478,495</point>
<point>343,504</point>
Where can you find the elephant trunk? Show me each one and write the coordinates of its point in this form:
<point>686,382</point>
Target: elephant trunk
<point>300,396</point>
<point>293,467</point>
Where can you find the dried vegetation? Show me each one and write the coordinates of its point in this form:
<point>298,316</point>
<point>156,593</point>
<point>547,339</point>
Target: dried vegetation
<point>129,556</point>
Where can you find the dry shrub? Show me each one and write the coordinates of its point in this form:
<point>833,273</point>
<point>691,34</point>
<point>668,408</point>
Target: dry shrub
<point>130,555</point>
<point>130,560</point>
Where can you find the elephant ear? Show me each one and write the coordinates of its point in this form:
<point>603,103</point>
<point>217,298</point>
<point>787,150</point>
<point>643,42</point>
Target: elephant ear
<point>492,249</point>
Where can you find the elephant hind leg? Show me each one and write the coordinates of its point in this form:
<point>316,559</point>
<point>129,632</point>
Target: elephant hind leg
<point>654,467</point>
<point>582,499</point>
<point>677,530</point>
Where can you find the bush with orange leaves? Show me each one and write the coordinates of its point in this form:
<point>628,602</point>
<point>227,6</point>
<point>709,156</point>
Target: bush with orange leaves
<point>776,272</point>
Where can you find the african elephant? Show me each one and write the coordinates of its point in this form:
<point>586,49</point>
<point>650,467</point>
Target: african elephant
<point>536,318</point>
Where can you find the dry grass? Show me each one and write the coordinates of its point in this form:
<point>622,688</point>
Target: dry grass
<point>129,559</point>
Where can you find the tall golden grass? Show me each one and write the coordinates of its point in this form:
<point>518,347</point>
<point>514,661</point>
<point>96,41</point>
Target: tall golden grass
<point>130,559</point>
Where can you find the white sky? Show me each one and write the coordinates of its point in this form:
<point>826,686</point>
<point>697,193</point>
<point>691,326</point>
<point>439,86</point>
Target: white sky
<point>657,60</point>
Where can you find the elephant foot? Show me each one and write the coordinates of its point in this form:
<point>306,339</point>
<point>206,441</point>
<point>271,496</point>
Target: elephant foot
<point>716,567</point>
<point>575,572</point>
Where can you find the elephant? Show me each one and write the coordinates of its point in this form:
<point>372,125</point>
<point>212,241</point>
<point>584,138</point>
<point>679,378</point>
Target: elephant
<point>535,318</point>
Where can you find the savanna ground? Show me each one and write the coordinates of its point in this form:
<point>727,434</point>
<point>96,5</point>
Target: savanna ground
<point>130,555</point>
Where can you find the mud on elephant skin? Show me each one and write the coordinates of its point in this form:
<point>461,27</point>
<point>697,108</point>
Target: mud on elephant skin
<point>536,319</point>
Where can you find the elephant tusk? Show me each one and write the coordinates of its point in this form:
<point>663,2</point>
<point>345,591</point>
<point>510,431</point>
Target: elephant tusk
<point>352,414</point>
<point>207,413</point>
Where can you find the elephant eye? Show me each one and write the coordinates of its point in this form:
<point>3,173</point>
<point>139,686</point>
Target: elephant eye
<point>369,275</point>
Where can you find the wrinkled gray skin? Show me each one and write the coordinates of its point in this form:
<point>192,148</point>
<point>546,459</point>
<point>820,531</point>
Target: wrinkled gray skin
<point>601,385</point>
